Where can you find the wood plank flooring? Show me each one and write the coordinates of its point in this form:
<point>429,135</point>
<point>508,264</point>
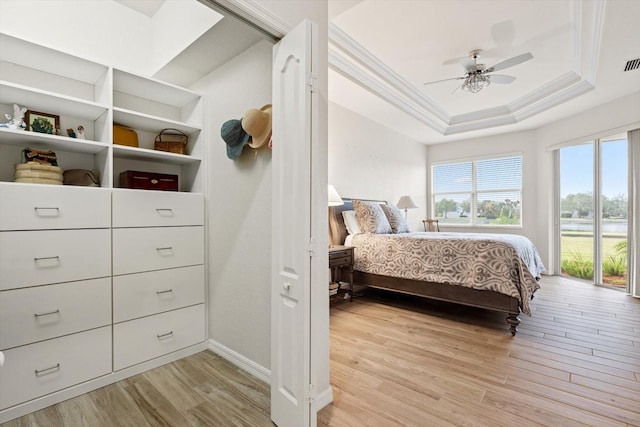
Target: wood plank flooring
<point>404,361</point>
<point>199,390</point>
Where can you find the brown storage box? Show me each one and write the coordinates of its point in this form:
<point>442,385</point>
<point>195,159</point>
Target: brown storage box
<point>125,136</point>
<point>148,181</point>
<point>171,140</point>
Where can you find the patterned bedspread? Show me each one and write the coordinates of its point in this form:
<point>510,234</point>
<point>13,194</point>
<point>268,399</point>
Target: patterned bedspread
<point>505,263</point>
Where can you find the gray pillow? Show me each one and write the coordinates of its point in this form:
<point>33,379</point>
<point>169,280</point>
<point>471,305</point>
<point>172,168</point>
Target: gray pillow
<point>371,217</point>
<point>396,219</point>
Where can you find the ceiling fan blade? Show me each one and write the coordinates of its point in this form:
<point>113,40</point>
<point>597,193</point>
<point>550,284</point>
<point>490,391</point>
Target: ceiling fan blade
<point>500,78</point>
<point>510,62</point>
<point>468,64</point>
<point>445,80</point>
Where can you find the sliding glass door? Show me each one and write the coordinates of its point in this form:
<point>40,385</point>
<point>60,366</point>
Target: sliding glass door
<point>593,211</point>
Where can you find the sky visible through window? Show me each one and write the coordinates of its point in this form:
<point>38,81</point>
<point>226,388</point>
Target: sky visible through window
<point>577,169</point>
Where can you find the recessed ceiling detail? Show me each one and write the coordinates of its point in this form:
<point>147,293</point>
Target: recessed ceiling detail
<point>582,32</point>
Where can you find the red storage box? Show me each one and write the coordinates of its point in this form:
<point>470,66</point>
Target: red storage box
<point>148,181</point>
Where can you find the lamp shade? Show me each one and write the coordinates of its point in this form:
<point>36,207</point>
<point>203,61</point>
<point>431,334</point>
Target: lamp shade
<point>406,202</point>
<point>334,197</point>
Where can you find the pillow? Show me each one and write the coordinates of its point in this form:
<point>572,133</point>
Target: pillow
<point>396,219</point>
<point>351,222</point>
<point>371,217</point>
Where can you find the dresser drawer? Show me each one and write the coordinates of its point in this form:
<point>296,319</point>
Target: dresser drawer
<point>37,369</point>
<point>43,312</point>
<point>143,339</point>
<point>143,294</point>
<point>155,248</point>
<point>30,258</point>
<point>36,207</point>
<point>156,209</point>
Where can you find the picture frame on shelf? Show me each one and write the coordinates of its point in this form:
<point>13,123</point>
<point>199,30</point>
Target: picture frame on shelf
<point>42,122</point>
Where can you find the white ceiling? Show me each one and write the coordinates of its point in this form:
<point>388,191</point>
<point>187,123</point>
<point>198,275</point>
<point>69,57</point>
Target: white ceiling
<point>382,51</point>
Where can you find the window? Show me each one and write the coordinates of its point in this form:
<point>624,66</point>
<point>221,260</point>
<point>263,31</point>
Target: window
<point>478,193</point>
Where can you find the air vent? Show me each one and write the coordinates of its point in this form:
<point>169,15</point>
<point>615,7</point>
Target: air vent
<point>633,64</point>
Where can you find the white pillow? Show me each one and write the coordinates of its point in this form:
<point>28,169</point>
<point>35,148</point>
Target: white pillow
<point>351,222</point>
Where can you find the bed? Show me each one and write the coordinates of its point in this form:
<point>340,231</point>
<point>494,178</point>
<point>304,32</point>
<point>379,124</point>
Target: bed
<point>492,271</point>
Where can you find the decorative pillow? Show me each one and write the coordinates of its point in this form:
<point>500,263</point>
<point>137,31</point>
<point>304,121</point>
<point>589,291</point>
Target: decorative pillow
<point>371,217</point>
<point>351,222</point>
<point>396,219</point>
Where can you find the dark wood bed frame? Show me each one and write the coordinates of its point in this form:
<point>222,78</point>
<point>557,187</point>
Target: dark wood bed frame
<point>440,291</point>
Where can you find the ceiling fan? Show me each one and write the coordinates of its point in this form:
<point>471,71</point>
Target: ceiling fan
<point>477,76</point>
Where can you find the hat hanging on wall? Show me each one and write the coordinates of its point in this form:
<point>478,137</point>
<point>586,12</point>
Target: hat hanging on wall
<point>235,137</point>
<point>257,123</point>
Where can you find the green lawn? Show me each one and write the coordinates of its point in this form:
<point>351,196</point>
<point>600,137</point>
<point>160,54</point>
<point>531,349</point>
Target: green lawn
<point>583,244</point>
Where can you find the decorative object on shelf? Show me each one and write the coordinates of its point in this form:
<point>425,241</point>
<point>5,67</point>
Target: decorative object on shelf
<point>171,140</point>
<point>82,177</point>
<point>29,155</point>
<point>235,137</point>
<point>42,122</point>
<point>124,136</point>
<point>71,133</point>
<point>257,123</point>
<point>38,173</point>
<point>148,181</point>
<point>80,132</point>
<point>16,122</point>
<point>406,202</point>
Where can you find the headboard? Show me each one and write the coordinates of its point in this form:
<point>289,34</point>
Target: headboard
<point>337,229</point>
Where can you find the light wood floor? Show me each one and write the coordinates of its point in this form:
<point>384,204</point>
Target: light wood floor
<point>402,361</point>
<point>410,362</point>
<point>200,390</point>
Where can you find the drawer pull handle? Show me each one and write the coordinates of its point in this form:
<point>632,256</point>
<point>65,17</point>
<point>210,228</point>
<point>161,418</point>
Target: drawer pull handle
<point>164,211</point>
<point>47,210</point>
<point>47,313</point>
<point>46,257</point>
<point>168,248</point>
<point>41,372</point>
<point>164,292</point>
<point>166,335</point>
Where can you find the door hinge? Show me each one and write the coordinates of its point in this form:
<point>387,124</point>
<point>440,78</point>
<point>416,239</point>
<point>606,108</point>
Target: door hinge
<point>312,246</point>
<point>310,393</point>
<point>312,82</point>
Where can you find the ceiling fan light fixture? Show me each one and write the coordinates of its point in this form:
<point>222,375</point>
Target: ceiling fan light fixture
<point>475,82</point>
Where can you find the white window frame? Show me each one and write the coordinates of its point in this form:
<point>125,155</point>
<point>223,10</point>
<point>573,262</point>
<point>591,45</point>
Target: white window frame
<point>474,191</point>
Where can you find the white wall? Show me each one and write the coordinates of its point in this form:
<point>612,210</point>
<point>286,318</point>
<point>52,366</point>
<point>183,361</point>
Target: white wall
<point>370,161</point>
<point>239,210</point>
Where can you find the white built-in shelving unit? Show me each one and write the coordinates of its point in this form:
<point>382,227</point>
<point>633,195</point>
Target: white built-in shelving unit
<point>96,96</point>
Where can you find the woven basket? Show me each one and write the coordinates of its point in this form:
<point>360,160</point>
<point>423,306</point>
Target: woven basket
<point>172,141</point>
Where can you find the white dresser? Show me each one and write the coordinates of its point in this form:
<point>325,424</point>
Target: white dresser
<point>95,283</point>
<point>55,289</point>
<point>158,274</point>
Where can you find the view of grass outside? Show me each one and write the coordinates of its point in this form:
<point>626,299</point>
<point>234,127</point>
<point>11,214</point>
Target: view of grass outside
<point>577,256</point>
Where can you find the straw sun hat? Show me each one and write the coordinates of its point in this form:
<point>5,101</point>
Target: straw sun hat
<point>257,123</point>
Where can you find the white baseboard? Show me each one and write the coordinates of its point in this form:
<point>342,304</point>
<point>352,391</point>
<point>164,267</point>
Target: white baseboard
<point>241,361</point>
<point>323,399</point>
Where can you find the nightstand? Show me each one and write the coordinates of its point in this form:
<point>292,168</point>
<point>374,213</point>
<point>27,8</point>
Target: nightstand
<point>341,262</point>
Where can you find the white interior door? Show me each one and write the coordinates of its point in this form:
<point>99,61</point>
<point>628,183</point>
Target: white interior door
<point>292,237</point>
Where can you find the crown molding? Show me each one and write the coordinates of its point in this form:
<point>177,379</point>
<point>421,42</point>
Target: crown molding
<point>357,75</point>
<point>554,100</point>
<point>255,15</point>
<point>374,65</point>
<point>596,41</point>
<point>379,79</point>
